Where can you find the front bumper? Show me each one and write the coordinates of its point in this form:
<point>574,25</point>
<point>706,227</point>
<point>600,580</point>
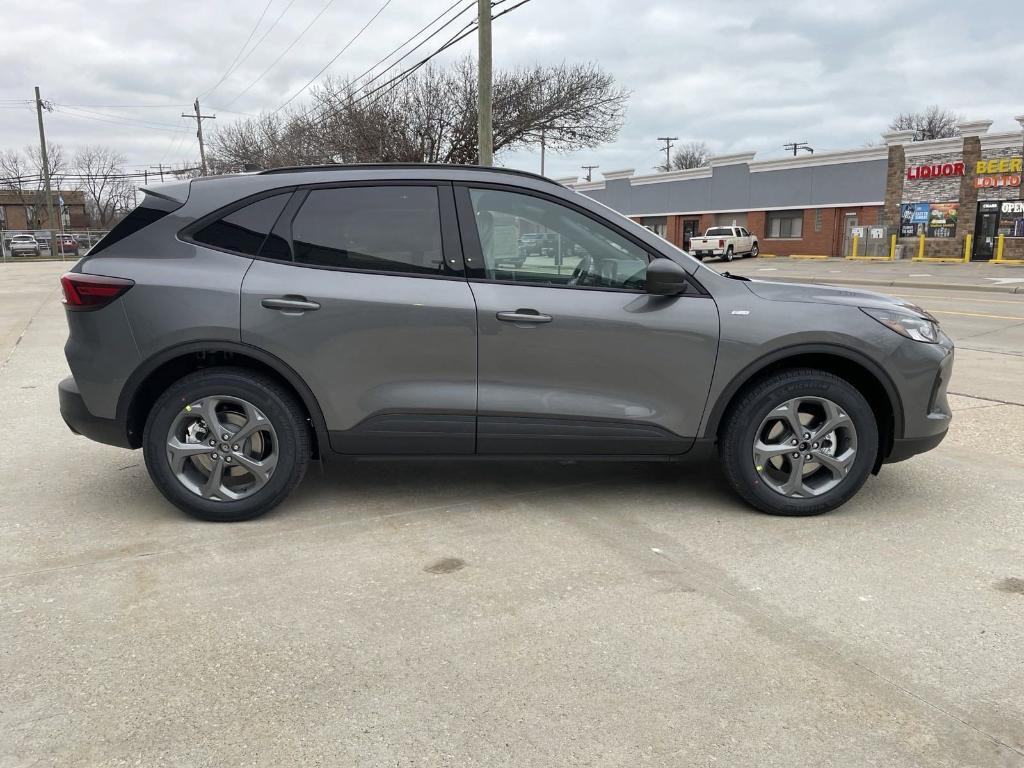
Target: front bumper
<point>926,412</point>
<point>80,421</point>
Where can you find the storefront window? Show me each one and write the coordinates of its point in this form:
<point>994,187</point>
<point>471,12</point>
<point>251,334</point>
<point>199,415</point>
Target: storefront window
<point>785,224</point>
<point>657,224</point>
<point>1011,218</point>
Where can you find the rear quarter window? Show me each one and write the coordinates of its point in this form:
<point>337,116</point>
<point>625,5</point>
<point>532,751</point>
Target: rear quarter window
<point>245,229</point>
<point>149,212</point>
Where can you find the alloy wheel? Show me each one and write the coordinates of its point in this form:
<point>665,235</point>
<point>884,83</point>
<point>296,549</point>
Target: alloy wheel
<point>805,447</point>
<point>222,448</point>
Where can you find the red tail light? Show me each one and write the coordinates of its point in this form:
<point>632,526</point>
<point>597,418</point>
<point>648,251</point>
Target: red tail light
<point>721,243</point>
<point>87,292</point>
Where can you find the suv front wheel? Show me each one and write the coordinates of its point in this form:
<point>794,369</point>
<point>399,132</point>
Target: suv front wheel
<point>226,444</point>
<point>800,442</point>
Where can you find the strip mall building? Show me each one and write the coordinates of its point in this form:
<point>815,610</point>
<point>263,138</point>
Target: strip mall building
<point>944,189</point>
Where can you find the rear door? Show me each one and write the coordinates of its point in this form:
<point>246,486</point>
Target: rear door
<point>361,290</point>
<point>575,357</point>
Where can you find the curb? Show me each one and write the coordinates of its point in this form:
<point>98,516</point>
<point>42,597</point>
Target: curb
<point>1016,289</point>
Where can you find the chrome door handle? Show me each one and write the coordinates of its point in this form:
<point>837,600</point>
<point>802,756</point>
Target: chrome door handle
<point>291,304</point>
<point>524,316</point>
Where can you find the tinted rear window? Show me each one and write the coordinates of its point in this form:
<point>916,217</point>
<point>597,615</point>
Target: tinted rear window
<point>245,229</point>
<point>380,229</point>
<point>148,213</point>
<point>719,232</point>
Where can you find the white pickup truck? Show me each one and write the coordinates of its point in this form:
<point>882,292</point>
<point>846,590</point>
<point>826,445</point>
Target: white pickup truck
<point>724,242</point>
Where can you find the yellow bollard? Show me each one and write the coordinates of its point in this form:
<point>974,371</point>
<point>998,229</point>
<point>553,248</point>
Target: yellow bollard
<point>853,253</point>
<point>892,248</point>
<point>999,247</point>
<point>920,247</point>
<point>967,247</point>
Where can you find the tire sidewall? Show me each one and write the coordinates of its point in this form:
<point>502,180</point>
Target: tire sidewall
<point>751,418</point>
<point>204,384</point>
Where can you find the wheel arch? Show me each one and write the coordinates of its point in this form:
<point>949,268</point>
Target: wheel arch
<point>153,377</point>
<point>848,364</point>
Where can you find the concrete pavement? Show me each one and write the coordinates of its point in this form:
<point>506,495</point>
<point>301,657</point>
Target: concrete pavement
<point>520,615</point>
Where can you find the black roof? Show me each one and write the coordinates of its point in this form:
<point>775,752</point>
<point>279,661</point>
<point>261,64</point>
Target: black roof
<point>413,166</point>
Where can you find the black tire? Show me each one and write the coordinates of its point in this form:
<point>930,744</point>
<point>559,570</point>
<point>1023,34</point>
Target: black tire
<point>728,254</point>
<point>754,250</point>
<point>279,406</point>
<point>736,440</point>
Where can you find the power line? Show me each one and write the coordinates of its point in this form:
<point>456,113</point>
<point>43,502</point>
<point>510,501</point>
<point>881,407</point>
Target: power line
<point>419,45</point>
<point>117,121</point>
<point>283,53</point>
<point>335,58</point>
<point>467,30</point>
<point>227,72</point>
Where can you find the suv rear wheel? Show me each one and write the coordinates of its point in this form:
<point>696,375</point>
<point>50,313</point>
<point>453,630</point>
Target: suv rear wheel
<point>226,444</point>
<point>800,442</point>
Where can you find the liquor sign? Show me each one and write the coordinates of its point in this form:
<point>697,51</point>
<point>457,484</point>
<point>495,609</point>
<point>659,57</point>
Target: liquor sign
<point>935,171</point>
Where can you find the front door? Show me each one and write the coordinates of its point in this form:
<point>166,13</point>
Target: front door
<point>986,227</point>
<point>580,360</point>
<point>362,293</point>
<point>689,230</point>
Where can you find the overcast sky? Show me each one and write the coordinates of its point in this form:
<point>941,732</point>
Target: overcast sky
<point>739,74</point>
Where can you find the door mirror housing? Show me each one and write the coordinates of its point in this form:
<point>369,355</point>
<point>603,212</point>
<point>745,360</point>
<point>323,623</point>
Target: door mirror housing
<point>666,278</point>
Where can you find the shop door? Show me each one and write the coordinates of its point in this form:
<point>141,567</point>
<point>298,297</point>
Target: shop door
<point>849,222</point>
<point>689,230</point>
<point>985,228</point>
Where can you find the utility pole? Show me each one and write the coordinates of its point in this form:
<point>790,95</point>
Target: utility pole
<point>589,169</point>
<point>199,117</point>
<point>46,167</point>
<point>793,146</point>
<point>485,131</point>
<point>668,150</point>
<point>159,167</point>
<point>541,151</point>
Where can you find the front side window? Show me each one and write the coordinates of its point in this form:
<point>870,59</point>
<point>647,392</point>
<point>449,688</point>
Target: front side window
<point>379,229</point>
<point>785,224</point>
<point>244,230</point>
<point>527,239</point>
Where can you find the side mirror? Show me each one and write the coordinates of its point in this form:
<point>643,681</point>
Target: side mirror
<point>666,278</point>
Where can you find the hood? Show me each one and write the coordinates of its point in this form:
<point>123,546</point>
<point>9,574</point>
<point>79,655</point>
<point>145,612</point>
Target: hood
<point>828,294</point>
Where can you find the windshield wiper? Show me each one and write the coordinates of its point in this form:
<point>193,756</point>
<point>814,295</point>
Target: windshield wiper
<point>735,277</point>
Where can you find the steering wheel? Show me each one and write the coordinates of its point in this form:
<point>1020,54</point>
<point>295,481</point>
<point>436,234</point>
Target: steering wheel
<point>583,269</point>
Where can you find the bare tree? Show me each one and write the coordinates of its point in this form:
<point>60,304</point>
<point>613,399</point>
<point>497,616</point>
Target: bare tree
<point>429,115</point>
<point>692,154</point>
<point>100,173</point>
<point>933,123</point>
<point>22,173</point>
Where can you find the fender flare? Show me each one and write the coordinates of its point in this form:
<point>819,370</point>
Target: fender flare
<point>745,376</point>
<point>131,387</point>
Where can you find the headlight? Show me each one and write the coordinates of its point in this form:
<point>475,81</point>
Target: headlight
<point>912,326</point>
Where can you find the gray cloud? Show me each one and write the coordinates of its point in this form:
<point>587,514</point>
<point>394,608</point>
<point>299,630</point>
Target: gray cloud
<point>739,74</point>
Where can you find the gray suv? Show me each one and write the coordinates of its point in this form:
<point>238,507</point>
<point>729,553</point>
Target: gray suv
<point>236,328</point>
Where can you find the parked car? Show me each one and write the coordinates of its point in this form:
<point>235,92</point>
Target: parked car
<point>68,245</point>
<point>724,242</point>
<point>24,245</point>
<point>236,328</point>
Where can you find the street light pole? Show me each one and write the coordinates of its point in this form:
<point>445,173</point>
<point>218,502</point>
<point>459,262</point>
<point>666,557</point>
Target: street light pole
<point>485,131</point>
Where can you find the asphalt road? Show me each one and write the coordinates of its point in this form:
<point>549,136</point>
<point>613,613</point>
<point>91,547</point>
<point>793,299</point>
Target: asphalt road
<point>519,615</point>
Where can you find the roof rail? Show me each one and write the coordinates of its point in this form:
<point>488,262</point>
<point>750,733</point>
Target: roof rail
<point>357,166</point>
